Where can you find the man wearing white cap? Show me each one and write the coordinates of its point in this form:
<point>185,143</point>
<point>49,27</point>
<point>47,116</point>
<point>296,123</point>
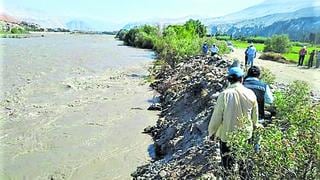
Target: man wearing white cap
<point>233,104</point>
<point>302,53</point>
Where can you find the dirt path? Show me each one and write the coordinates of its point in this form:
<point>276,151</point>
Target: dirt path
<point>285,72</point>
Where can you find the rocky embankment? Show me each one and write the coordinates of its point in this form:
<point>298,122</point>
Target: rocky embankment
<point>188,95</point>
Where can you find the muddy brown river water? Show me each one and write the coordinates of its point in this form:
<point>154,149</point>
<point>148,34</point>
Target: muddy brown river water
<point>73,107</point>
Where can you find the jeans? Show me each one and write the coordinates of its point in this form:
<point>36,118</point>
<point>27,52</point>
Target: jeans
<point>246,60</point>
<point>301,59</point>
<point>250,61</point>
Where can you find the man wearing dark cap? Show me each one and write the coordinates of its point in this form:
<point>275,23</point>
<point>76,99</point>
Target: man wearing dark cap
<point>233,104</point>
<point>260,89</point>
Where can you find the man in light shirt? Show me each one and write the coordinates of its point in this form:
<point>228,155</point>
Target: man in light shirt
<point>233,104</point>
<point>214,50</point>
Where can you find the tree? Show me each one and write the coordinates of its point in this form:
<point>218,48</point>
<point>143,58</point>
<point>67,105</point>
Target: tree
<point>278,44</point>
<point>197,27</point>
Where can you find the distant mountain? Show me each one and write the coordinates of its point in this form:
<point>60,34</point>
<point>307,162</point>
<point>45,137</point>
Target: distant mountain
<point>78,25</point>
<point>7,18</point>
<point>47,21</point>
<point>295,24</point>
<point>268,7</point>
<point>293,17</point>
<point>161,22</point>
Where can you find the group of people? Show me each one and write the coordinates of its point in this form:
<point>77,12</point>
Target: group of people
<point>245,98</point>
<point>250,53</point>
<point>314,55</point>
<point>213,49</point>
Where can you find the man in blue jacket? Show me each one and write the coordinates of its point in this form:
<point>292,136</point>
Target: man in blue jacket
<point>205,48</point>
<point>261,89</point>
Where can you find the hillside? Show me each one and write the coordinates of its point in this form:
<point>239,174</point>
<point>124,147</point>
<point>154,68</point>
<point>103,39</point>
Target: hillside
<point>268,7</point>
<point>296,24</point>
<point>298,19</point>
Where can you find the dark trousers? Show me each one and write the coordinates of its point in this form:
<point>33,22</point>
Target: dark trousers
<point>310,63</point>
<point>228,161</point>
<point>213,53</point>
<point>301,59</point>
<point>226,157</point>
<point>318,62</point>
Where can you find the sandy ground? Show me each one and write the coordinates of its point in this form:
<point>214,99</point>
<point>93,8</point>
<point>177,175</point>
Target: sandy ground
<point>69,121</point>
<point>285,72</point>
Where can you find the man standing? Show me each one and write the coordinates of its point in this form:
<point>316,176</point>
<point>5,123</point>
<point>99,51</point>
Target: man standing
<point>246,57</point>
<point>302,54</point>
<point>205,48</point>
<point>234,104</point>
<point>260,89</point>
<point>214,50</point>
<point>312,54</point>
<point>251,54</point>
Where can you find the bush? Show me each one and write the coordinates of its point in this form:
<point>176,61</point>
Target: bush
<point>174,43</point>
<point>17,30</point>
<point>290,148</point>
<point>256,39</point>
<point>273,57</point>
<point>197,27</point>
<point>278,44</point>
<point>121,34</point>
<point>142,37</point>
<point>267,76</point>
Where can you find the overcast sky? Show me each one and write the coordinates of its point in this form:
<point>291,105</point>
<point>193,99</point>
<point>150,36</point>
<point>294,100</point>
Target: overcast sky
<point>130,10</point>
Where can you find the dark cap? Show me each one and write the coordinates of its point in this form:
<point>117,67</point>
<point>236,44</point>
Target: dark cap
<point>254,71</point>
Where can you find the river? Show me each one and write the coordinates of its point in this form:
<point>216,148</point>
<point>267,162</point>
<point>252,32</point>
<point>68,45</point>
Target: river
<point>73,107</point>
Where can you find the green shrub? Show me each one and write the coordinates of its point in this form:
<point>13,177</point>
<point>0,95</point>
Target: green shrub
<point>278,44</point>
<point>290,147</point>
<point>142,37</point>
<point>197,27</point>
<point>175,42</point>
<point>17,30</point>
<point>256,39</point>
<point>267,76</point>
<point>121,34</point>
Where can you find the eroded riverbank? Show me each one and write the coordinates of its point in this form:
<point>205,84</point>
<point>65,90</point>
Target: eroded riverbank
<point>73,107</point>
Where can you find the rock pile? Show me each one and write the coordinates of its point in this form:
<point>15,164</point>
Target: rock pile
<point>188,95</point>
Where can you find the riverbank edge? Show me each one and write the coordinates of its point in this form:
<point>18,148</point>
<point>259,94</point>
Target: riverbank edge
<point>173,150</point>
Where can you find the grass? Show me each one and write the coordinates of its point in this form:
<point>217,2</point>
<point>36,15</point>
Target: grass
<point>291,56</point>
<point>244,44</point>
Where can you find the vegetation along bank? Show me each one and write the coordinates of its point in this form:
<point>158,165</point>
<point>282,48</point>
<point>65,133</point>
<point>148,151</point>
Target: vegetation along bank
<point>189,85</point>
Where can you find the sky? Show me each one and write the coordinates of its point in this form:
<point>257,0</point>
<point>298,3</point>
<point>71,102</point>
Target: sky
<point>124,11</point>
